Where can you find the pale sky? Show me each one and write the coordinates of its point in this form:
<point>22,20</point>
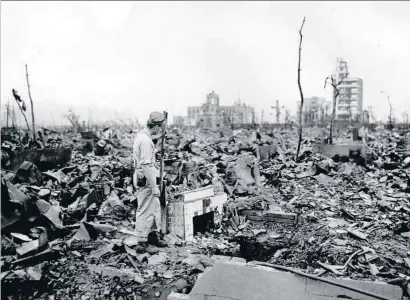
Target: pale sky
<point>128,58</point>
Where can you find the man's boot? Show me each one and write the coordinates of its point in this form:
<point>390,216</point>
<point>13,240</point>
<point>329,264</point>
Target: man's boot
<point>155,238</point>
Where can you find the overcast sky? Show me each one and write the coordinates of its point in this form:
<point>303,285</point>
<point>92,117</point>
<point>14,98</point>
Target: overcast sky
<point>128,58</point>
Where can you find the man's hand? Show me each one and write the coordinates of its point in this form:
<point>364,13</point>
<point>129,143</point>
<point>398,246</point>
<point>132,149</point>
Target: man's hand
<point>155,191</point>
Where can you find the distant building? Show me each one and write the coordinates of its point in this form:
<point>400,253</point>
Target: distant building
<point>211,115</point>
<point>349,103</point>
<point>316,111</point>
<point>180,120</point>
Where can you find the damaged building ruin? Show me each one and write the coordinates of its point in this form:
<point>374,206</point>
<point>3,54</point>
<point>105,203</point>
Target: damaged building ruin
<point>213,115</point>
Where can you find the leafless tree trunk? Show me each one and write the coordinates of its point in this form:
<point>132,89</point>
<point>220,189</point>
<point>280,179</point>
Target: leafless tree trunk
<point>287,118</point>
<point>7,112</point>
<point>335,95</point>
<point>300,90</point>
<point>390,114</point>
<point>32,107</point>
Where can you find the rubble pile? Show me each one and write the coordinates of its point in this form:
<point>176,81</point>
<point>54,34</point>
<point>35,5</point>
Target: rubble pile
<point>68,232</point>
<point>352,220</point>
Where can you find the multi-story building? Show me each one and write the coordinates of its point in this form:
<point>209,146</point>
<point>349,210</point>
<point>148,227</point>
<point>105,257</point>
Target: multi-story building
<point>316,111</point>
<point>210,114</point>
<point>180,120</point>
<point>349,103</point>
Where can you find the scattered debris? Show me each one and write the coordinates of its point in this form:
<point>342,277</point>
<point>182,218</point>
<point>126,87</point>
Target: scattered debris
<point>73,226</point>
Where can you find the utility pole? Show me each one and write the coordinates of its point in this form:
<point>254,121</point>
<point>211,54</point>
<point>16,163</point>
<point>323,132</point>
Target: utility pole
<point>262,117</point>
<point>277,108</point>
<point>13,119</point>
<point>32,108</point>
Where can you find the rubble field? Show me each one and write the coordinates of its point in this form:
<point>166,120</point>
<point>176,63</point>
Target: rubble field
<point>68,230</point>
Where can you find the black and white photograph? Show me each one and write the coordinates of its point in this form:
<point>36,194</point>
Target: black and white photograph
<point>205,150</point>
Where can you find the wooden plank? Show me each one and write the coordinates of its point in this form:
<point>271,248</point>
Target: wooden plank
<point>249,212</point>
<point>255,218</point>
<point>281,215</point>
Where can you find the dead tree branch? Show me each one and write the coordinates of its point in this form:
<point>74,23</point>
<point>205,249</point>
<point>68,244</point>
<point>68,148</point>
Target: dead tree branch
<point>391,109</point>
<point>73,119</point>
<point>32,107</point>
<point>21,107</point>
<point>300,90</point>
<point>335,95</point>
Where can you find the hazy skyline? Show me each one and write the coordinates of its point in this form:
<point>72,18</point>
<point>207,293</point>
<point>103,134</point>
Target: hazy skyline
<point>129,58</point>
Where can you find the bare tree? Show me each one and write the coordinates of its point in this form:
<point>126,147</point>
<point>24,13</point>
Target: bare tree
<point>335,86</point>
<point>300,90</point>
<point>32,107</point>
<point>287,118</point>
<point>21,105</point>
<point>390,110</point>
<point>322,116</point>
<point>390,113</point>
<point>371,114</point>
<point>73,119</point>
<point>405,117</point>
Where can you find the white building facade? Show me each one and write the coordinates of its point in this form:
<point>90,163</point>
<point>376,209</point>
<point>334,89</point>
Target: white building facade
<point>349,103</point>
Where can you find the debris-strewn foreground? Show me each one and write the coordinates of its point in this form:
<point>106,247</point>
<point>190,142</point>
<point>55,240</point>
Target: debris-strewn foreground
<point>68,232</point>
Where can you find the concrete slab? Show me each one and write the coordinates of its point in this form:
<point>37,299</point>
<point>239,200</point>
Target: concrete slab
<point>246,282</point>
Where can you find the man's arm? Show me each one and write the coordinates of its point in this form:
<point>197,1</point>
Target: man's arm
<point>148,166</point>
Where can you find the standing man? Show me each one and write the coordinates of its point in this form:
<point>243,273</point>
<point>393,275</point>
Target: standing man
<point>145,181</point>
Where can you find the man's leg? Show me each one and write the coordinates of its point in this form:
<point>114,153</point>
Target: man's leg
<point>144,214</point>
<point>155,236</point>
<point>156,205</point>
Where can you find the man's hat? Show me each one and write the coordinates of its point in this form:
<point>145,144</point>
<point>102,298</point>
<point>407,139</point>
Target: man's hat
<point>156,118</point>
